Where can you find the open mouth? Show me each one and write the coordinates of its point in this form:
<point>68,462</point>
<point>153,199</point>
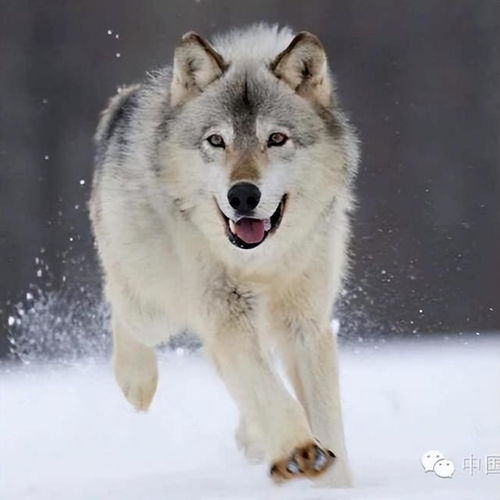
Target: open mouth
<point>249,232</point>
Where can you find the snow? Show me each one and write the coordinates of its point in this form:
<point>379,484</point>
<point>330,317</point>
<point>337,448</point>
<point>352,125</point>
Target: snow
<point>67,433</point>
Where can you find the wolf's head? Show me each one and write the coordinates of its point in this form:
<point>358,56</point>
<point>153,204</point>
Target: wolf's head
<point>257,151</point>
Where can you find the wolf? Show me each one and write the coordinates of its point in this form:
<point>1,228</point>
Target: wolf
<point>221,204</point>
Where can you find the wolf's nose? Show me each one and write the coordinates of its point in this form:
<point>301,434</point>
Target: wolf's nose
<point>244,197</point>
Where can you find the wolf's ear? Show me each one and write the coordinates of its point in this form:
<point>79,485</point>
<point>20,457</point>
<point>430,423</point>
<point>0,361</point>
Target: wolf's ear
<point>303,66</point>
<point>196,65</point>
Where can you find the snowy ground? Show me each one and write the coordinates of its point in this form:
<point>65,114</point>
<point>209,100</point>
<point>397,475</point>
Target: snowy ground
<point>67,433</point>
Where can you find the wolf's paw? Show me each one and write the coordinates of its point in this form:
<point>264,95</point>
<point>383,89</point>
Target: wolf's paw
<point>249,439</point>
<point>309,460</point>
<point>140,393</point>
<point>337,476</point>
<point>138,384</point>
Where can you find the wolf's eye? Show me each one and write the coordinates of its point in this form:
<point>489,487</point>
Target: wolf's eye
<point>216,141</point>
<point>276,139</point>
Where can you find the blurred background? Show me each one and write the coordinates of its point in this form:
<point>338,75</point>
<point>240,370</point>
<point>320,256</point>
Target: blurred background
<point>420,81</point>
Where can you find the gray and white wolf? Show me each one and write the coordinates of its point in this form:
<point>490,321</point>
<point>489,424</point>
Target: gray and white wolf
<point>220,205</point>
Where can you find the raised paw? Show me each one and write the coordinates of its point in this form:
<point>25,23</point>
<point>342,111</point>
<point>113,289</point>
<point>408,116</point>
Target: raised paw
<point>309,461</point>
<point>140,393</point>
<point>138,381</point>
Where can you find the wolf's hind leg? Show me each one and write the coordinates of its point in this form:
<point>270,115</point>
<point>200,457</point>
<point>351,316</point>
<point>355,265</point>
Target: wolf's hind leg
<point>134,366</point>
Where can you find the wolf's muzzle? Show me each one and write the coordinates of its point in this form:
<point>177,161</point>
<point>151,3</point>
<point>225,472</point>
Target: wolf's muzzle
<point>250,232</point>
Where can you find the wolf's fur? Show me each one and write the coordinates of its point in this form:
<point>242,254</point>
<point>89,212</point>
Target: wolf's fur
<point>168,263</point>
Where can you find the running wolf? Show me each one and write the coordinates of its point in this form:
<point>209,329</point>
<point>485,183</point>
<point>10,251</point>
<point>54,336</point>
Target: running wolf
<point>221,202</point>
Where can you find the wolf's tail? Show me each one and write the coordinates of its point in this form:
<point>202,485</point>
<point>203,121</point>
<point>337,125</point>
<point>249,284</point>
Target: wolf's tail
<point>118,108</point>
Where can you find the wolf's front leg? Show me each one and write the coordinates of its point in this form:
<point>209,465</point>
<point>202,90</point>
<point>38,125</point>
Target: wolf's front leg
<point>264,401</point>
<point>310,356</point>
<point>134,366</point>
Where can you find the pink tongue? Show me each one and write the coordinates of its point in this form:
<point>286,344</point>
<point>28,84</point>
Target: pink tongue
<point>250,230</point>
